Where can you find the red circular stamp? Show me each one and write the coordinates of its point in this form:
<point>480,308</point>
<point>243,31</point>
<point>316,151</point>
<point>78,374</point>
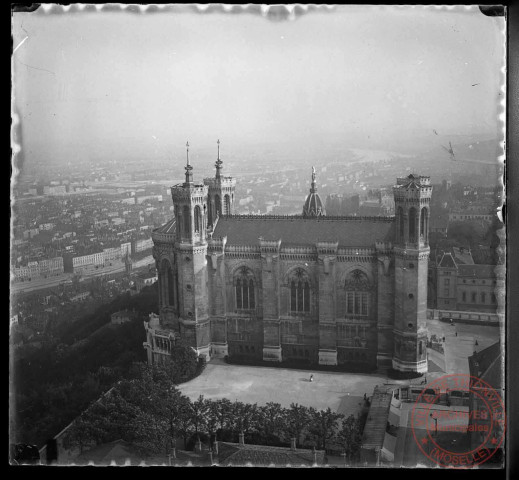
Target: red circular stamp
<point>458,421</point>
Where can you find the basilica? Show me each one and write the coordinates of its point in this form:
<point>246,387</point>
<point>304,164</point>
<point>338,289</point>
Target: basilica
<point>330,290</point>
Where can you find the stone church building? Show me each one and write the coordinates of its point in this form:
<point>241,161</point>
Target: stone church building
<point>332,290</point>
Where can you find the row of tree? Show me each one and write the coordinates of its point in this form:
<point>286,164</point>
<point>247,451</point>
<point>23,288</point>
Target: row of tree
<point>149,411</point>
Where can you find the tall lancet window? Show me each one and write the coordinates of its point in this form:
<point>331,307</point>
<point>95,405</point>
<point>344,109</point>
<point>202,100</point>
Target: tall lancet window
<point>244,290</point>
<point>187,220</point>
<point>217,205</point>
<point>198,219</point>
<point>227,205</point>
<point>299,292</point>
<point>401,223</point>
<point>412,224</point>
<point>423,222</point>
<point>358,294</point>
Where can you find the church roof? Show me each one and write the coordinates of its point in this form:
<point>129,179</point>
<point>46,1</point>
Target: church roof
<point>167,227</point>
<point>304,231</point>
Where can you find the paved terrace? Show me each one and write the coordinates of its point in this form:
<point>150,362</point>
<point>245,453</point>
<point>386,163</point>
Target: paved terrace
<point>342,392</point>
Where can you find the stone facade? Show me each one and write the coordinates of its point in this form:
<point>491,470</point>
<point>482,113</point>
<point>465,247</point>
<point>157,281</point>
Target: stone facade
<point>331,290</point>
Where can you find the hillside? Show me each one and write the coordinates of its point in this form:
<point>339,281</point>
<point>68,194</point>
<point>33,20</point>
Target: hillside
<point>56,383</point>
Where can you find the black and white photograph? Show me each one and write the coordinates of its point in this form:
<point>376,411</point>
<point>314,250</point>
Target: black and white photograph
<point>258,235</point>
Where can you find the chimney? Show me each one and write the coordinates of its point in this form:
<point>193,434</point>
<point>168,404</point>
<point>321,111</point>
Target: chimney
<point>215,448</point>
<point>293,443</point>
<point>242,438</point>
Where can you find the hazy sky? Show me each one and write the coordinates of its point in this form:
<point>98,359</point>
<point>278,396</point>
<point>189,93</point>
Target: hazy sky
<point>144,83</point>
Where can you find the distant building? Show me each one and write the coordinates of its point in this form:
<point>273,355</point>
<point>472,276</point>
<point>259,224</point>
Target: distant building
<point>112,253</point>
<point>466,216</point>
<point>123,316</point>
<point>80,297</point>
<point>42,268</point>
<point>439,226</point>
<point>144,280</point>
<point>126,248</point>
<point>87,262</point>
<point>157,198</point>
<point>142,245</point>
<point>465,287</point>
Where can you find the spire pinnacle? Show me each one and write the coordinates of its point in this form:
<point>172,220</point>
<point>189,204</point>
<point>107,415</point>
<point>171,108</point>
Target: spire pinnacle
<point>188,167</point>
<point>313,188</point>
<point>218,163</point>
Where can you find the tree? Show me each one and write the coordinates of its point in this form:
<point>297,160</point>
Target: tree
<point>248,417</point>
<point>108,419</point>
<point>323,425</point>
<point>349,437</point>
<point>184,361</point>
<point>147,410</point>
<point>222,409</point>
<point>198,410</point>
<point>272,421</point>
<point>212,419</point>
<point>296,422</point>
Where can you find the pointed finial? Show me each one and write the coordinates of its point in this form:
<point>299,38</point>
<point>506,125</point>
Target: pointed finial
<point>188,167</point>
<point>313,188</point>
<point>218,163</point>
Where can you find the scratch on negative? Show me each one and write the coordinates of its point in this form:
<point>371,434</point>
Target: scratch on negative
<point>20,44</point>
<point>37,68</point>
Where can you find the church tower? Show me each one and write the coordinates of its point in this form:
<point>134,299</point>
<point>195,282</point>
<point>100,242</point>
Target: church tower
<point>313,206</point>
<point>221,193</point>
<point>190,205</point>
<point>411,249</point>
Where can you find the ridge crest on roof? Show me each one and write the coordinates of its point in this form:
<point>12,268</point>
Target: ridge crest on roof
<point>321,218</point>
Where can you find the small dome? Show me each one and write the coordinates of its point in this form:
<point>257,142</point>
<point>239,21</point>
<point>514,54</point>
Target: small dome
<point>313,206</point>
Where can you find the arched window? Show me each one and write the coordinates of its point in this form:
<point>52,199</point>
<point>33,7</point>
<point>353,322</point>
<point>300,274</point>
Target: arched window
<point>299,292</point>
<point>187,221</point>
<point>198,219</point>
<point>401,223</point>
<point>227,205</point>
<point>244,290</point>
<point>167,284</point>
<point>423,222</point>
<point>357,294</point>
<point>217,205</point>
<point>412,224</point>
<point>171,286</point>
